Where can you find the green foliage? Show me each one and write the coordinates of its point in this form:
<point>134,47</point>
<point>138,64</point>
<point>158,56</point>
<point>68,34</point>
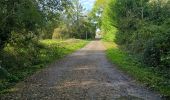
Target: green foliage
<point>76,24</point>
<point>17,16</point>
<point>142,28</point>
<point>102,14</point>
<point>97,11</point>
<point>86,30</point>
<point>157,51</point>
<point>29,16</point>
<point>109,36</point>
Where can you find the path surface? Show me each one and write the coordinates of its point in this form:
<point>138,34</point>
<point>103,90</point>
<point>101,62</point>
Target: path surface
<point>83,75</point>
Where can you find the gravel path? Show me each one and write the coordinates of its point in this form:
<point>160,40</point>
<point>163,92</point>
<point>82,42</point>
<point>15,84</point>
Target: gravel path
<point>83,75</point>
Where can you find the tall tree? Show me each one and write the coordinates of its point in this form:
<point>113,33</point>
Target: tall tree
<point>96,13</point>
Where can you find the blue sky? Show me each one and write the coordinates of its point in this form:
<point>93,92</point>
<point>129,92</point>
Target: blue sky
<point>87,4</point>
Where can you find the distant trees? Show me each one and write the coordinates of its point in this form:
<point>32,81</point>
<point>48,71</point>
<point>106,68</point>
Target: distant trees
<point>75,23</point>
<point>96,13</point>
<point>101,15</point>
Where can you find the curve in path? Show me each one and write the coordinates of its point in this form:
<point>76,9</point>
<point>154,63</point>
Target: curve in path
<point>83,75</point>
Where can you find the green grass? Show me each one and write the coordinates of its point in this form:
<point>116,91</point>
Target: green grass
<point>51,50</point>
<point>141,73</point>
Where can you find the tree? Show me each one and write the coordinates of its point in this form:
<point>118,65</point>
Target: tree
<point>96,13</point>
<point>75,23</point>
<point>28,17</point>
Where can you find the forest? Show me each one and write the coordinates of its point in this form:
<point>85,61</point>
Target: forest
<point>136,33</point>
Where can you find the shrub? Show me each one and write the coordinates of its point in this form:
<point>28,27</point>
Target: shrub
<point>157,51</point>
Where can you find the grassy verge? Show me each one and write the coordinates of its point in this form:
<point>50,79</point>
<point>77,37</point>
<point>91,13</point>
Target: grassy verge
<point>138,71</point>
<point>50,51</point>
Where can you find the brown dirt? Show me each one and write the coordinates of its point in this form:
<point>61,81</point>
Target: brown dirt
<point>83,75</point>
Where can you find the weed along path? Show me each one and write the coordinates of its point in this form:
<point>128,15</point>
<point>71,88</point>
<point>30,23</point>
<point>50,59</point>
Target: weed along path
<point>83,75</point>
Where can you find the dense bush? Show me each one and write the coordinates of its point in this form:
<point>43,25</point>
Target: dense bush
<point>142,28</point>
<point>157,51</point>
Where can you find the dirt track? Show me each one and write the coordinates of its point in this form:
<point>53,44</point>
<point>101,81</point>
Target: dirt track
<point>83,75</point>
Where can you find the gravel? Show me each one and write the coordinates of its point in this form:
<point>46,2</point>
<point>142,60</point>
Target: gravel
<point>83,75</point>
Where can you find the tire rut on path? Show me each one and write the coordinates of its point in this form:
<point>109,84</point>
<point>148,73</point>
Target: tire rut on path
<point>83,75</point>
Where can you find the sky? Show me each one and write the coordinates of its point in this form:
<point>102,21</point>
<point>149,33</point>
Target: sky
<point>87,4</point>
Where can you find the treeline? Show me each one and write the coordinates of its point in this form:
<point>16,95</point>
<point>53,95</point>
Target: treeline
<point>141,27</point>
